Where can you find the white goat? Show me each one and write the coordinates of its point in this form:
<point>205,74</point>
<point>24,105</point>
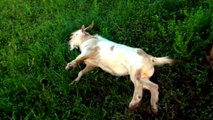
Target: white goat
<point>119,60</point>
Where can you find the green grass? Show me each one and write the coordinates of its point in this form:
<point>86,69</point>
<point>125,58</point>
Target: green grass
<point>34,53</point>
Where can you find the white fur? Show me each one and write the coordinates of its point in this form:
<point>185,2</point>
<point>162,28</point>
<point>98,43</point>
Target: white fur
<point>111,61</point>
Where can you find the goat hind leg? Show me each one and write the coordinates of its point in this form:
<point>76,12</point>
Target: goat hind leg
<point>153,88</point>
<point>137,95</point>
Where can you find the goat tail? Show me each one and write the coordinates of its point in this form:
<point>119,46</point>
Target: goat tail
<point>162,60</point>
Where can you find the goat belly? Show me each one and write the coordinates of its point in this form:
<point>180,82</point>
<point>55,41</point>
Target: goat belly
<point>116,69</point>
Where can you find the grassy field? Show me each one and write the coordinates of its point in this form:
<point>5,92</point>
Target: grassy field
<point>34,53</point>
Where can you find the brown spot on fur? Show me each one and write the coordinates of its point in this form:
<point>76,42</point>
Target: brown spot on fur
<point>87,36</point>
<point>95,51</point>
<point>153,60</point>
<point>112,48</point>
<point>138,74</point>
<point>92,43</point>
<point>140,52</point>
<point>145,75</point>
<point>91,53</point>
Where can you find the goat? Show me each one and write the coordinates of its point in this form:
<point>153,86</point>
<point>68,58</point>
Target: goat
<point>119,60</point>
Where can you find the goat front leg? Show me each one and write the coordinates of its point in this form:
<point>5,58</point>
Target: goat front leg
<point>90,52</point>
<point>75,62</point>
<point>82,72</point>
<point>70,65</point>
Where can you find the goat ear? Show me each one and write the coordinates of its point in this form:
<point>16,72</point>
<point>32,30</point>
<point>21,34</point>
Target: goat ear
<point>90,26</point>
<point>83,28</point>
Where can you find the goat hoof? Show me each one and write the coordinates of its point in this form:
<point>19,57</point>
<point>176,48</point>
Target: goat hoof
<point>133,107</point>
<point>73,82</point>
<point>69,68</point>
<point>154,111</point>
